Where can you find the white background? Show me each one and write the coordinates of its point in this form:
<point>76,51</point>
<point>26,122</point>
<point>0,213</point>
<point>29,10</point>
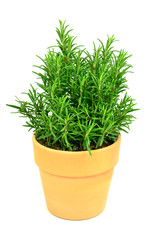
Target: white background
<point>27,29</point>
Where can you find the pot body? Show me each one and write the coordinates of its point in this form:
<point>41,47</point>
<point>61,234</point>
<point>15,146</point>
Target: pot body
<point>76,184</point>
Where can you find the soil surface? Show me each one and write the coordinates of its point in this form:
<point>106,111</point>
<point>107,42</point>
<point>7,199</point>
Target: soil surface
<point>77,147</point>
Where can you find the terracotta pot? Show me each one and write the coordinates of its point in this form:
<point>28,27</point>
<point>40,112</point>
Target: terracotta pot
<point>76,184</point>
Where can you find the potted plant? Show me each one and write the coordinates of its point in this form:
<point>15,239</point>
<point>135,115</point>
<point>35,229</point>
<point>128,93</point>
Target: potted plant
<point>77,113</point>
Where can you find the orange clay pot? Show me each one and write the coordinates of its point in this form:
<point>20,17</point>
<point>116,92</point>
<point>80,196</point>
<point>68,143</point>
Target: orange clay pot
<point>76,184</point>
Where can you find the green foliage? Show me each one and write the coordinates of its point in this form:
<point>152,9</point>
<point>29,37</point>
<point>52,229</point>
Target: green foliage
<point>83,97</point>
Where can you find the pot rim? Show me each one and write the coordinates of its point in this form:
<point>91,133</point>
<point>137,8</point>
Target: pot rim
<point>74,152</point>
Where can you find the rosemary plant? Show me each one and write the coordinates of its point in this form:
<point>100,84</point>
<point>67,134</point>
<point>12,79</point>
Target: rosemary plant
<point>81,100</point>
